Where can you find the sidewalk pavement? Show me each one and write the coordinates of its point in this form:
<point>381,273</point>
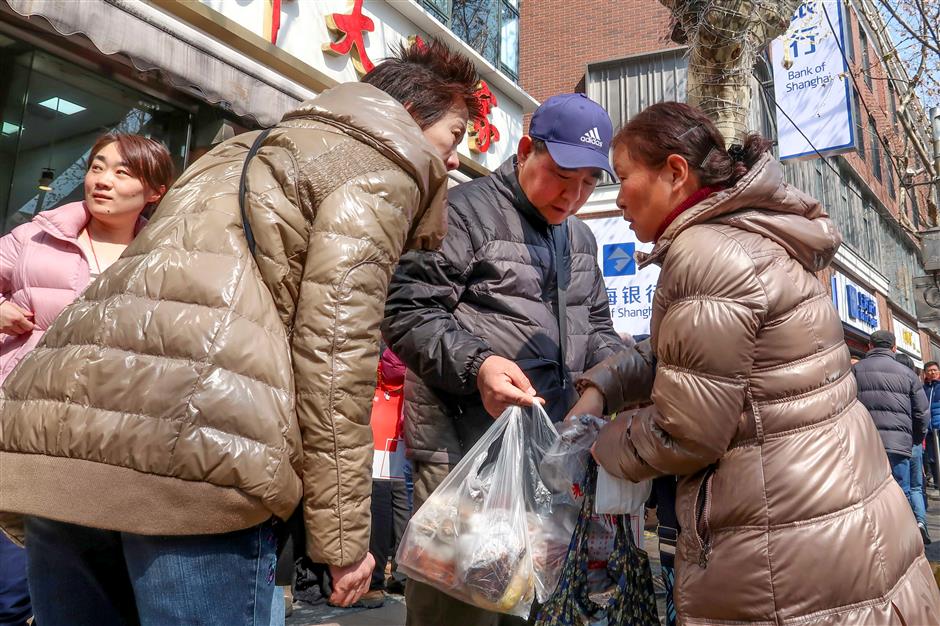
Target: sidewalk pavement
<point>393,613</point>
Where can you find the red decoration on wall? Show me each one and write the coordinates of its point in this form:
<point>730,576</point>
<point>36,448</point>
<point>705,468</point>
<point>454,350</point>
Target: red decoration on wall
<point>482,132</point>
<point>417,42</point>
<point>350,29</point>
<point>275,19</point>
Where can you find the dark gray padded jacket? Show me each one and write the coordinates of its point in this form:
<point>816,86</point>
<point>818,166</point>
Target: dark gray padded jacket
<point>491,289</point>
<point>894,396</point>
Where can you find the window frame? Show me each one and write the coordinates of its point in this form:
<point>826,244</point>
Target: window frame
<point>445,14</point>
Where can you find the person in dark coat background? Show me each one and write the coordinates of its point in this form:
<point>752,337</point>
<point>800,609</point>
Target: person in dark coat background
<point>894,396</point>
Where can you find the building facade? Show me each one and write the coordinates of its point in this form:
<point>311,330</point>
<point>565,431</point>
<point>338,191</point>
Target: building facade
<point>876,194</point>
<point>192,74</point>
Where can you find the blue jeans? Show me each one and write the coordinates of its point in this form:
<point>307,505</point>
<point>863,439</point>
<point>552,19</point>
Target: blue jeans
<point>14,595</point>
<point>916,496</point>
<point>901,470</point>
<point>84,576</point>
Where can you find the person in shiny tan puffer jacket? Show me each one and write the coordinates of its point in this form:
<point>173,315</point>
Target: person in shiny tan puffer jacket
<point>787,507</point>
<point>196,390</point>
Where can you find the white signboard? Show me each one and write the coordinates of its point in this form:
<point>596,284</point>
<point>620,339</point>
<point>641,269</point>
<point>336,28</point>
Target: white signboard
<point>813,95</point>
<point>908,340</point>
<point>629,290</point>
<point>857,306</point>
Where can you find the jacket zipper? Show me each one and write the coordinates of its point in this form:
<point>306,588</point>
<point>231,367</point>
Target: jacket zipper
<point>702,513</point>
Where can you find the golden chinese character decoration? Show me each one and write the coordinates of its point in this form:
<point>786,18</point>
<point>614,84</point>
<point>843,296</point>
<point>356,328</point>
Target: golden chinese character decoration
<point>481,132</point>
<point>349,29</point>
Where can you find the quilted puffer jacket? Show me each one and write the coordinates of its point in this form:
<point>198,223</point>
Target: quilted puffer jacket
<point>491,289</point>
<point>42,269</point>
<point>894,396</point>
<point>788,510</point>
<point>193,389</point>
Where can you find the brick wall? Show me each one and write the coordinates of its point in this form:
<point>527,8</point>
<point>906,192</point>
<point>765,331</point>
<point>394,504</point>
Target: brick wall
<point>875,103</point>
<point>559,38</point>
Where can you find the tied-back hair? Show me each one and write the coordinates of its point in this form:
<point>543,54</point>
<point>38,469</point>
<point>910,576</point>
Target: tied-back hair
<point>428,77</point>
<point>677,128</point>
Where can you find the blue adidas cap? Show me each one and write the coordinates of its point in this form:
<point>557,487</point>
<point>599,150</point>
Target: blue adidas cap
<point>576,130</point>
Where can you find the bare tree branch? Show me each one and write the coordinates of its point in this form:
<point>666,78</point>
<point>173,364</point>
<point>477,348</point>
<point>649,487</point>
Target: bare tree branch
<point>935,47</point>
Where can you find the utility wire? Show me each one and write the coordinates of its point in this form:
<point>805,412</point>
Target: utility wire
<point>883,141</point>
<point>772,98</point>
<point>895,223</point>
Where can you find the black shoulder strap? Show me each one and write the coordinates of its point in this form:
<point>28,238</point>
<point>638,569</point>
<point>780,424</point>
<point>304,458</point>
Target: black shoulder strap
<point>243,187</point>
<point>561,283</point>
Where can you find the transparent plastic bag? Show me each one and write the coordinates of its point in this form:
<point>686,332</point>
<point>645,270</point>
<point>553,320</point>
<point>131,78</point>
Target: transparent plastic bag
<point>493,534</point>
<point>565,464</point>
<point>616,496</point>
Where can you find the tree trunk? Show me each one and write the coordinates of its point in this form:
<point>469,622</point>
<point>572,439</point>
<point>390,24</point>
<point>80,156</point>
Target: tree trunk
<point>724,39</point>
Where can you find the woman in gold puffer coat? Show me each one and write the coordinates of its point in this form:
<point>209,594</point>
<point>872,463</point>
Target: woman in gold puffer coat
<point>195,390</point>
<point>788,510</point>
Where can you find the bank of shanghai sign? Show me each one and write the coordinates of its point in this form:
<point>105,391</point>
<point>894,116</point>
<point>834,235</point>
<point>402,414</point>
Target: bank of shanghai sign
<point>811,83</point>
<point>630,290</point>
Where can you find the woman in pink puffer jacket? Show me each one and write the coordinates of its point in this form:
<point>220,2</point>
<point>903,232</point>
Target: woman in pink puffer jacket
<point>48,262</point>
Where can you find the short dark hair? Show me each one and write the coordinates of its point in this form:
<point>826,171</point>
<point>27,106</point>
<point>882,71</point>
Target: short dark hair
<point>929,363</point>
<point>903,359</point>
<point>148,160</point>
<point>882,339</point>
<point>677,128</point>
<point>428,76</point>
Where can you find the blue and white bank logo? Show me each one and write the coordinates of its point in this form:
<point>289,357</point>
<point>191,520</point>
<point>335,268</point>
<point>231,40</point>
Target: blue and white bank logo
<point>618,259</point>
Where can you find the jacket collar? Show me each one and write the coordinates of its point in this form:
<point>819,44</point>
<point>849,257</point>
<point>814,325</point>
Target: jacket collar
<point>67,221</point>
<point>762,202</point>
<point>880,352</point>
<point>508,178</point>
<point>373,117</point>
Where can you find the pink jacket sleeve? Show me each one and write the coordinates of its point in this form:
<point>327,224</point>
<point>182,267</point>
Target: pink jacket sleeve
<point>10,247</point>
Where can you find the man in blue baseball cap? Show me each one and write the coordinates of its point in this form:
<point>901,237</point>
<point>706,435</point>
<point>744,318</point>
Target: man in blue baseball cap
<point>508,312</point>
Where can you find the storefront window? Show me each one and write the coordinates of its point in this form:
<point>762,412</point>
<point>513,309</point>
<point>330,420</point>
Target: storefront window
<point>509,38</point>
<point>477,23</point>
<point>491,27</point>
<point>52,113</point>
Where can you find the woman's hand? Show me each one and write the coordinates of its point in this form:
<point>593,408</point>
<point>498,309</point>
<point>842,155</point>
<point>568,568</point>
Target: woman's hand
<point>14,320</point>
<point>591,402</point>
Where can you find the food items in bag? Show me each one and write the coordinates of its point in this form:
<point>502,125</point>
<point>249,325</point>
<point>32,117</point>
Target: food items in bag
<point>549,536</point>
<point>492,564</point>
<point>433,542</point>
<point>474,538</point>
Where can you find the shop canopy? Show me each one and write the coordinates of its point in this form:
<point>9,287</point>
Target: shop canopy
<point>190,60</point>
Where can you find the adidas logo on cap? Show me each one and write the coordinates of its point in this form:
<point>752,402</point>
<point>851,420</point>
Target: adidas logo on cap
<point>593,137</point>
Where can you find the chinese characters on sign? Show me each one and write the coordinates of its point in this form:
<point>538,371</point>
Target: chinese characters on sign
<point>350,29</point>
<point>908,340</point>
<point>862,306</point>
<point>811,92</point>
<point>630,290</point>
<point>482,132</point>
<point>857,307</point>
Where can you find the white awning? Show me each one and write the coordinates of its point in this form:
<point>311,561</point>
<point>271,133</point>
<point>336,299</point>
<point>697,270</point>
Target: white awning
<point>187,57</point>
